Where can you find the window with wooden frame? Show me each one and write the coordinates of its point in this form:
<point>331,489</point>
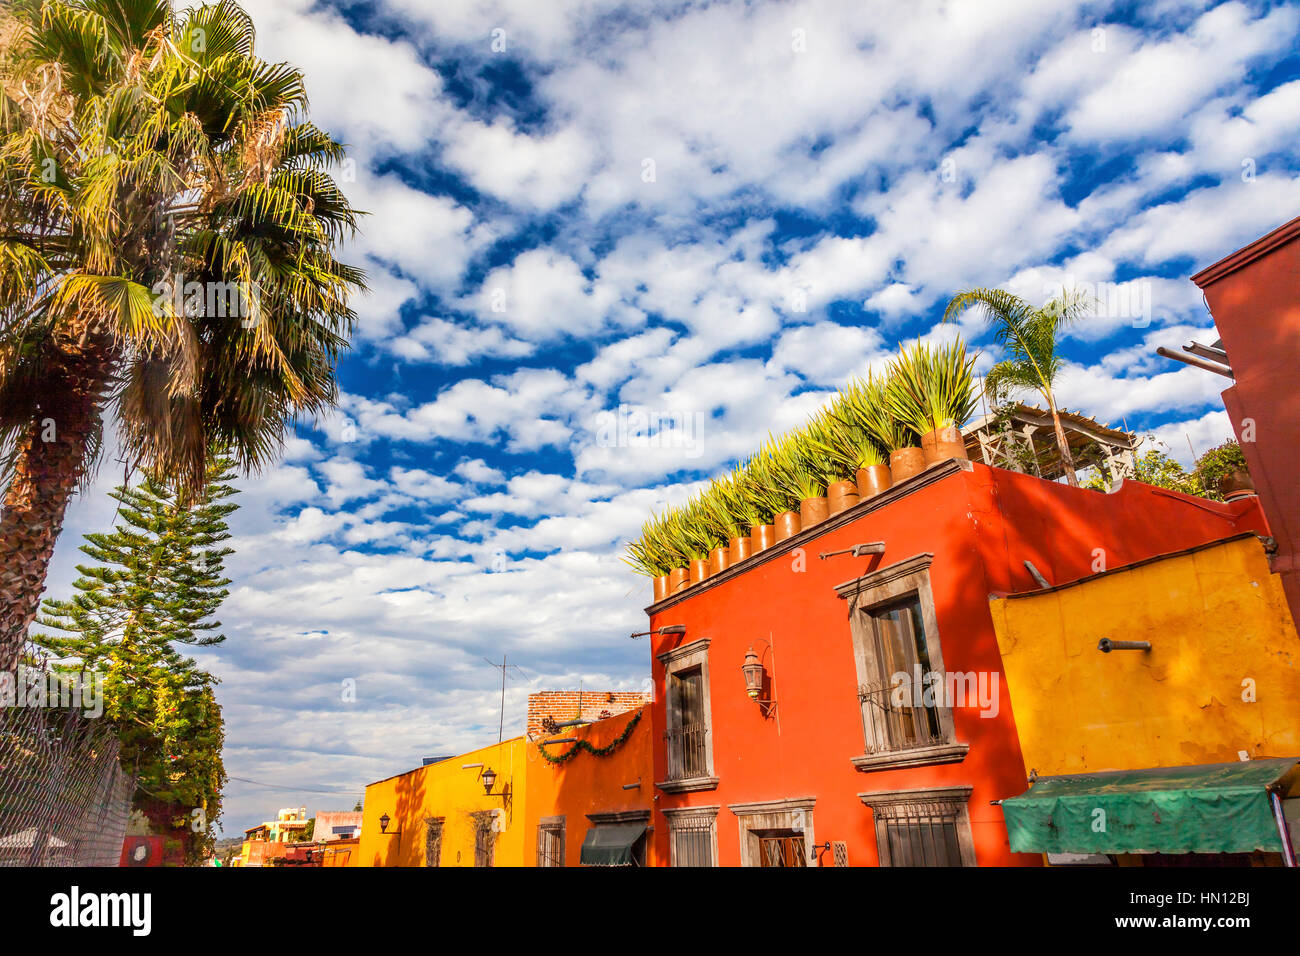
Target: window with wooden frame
<point>901,677</point>
<point>692,836</point>
<point>922,827</point>
<point>433,841</point>
<point>776,832</point>
<point>484,837</point>
<point>781,848</point>
<point>550,841</point>
<point>688,735</point>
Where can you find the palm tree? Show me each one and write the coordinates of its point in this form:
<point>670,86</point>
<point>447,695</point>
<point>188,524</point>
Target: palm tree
<point>167,229</point>
<point>1030,338</point>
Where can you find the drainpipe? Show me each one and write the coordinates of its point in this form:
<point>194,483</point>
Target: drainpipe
<point>1288,851</point>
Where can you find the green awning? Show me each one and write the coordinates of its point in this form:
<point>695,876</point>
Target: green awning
<point>1209,808</point>
<point>611,844</point>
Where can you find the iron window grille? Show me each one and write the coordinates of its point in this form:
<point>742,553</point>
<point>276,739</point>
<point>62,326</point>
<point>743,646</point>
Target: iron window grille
<point>432,841</point>
<point>484,838</point>
<point>550,844</point>
<point>687,754</point>
<point>692,841</point>
<point>913,829</point>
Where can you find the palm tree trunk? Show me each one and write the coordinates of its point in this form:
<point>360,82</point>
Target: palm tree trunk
<point>50,460</point>
<point>1062,444</point>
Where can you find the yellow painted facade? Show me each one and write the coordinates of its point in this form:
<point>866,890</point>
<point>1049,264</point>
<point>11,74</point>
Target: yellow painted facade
<point>445,790</point>
<point>1222,675</point>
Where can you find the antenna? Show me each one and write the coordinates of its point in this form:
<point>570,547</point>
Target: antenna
<point>504,667</point>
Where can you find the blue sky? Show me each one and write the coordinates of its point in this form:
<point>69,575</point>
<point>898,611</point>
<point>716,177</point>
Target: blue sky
<point>718,209</point>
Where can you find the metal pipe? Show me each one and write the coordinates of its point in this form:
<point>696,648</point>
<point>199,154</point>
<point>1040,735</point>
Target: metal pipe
<point>633,786</point>
<point>1217,369</point>
<point>1106,645</point>
<point>667,629</point>
<point>1283,829</point>
<point>1038,575</point>
<point>1207,352</point>
<point>858,550</point>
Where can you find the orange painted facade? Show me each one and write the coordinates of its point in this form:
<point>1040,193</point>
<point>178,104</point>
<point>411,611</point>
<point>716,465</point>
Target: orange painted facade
<point>587,786</point>
<point>980,524</point>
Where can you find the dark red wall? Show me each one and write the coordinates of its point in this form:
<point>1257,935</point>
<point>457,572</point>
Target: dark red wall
<point>980,524</point>
<point>1254,295</point>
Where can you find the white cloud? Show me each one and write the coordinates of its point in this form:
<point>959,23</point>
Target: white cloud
<point>1149,89</point>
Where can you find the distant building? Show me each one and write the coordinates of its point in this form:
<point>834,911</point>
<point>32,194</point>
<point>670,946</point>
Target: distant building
<point>334,825</point>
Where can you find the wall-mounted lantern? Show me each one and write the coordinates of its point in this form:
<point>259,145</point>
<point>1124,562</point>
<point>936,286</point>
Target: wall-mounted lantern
<point>489,778</point>
<point>753,671</point>
<point>383,825</point>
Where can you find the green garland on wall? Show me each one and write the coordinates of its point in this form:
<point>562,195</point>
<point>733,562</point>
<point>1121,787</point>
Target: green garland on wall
<point>594,751</point>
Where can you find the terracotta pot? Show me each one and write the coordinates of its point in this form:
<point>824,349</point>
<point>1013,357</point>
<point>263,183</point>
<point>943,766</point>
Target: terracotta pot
<point>679,579</point>
<point>787,525</point>
<point>661,587</point>
<point>699,570</point>
<point>1236,484</point>
<point>942,444</point>
<point>763,536</point>
<point>741,548</point>
<point>905,462</point>
<point>813,510</point>
<point>841,496</point>
<point>872,480</point>
<point>719,561</point>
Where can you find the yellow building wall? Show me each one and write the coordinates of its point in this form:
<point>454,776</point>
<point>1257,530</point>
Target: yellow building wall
<point>1220,632</point>
<point>445,790</point>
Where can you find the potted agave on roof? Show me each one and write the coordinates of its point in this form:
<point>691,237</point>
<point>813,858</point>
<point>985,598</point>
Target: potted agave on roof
<point>932,390</point>
<point>875,433</point>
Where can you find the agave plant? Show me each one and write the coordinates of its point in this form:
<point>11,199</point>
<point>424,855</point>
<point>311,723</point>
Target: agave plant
<point>697,534</point>
<point>867,407</point>
<point>932,387</point>
<point>724,521</point>
<point>651,554</point>
<point>761,485</point>
<point>791,472</point>
<point>745,511</point>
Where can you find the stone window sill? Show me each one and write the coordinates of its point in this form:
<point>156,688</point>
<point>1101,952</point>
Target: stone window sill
<point>687,784</point>
<point>917,757</point>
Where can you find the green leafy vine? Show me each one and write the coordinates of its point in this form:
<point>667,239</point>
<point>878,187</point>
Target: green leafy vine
<point>605,751</point>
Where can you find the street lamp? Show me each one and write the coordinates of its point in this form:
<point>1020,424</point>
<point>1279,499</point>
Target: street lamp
<point>489,778</point>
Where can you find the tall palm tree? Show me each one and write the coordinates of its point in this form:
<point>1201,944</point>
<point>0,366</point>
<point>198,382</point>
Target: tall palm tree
<point>1030,338</point>
<point>167,230</point>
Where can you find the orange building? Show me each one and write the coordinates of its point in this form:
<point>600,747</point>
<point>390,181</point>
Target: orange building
<point>883,728</point>
<point>592,808</point>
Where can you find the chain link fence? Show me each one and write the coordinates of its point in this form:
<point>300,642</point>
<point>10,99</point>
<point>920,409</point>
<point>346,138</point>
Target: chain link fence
<point>64,798</point>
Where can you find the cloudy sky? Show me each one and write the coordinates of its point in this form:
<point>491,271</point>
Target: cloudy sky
<point>721,209</point>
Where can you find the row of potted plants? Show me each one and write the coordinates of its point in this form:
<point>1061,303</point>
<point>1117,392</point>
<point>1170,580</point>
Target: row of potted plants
<point>875,433</point>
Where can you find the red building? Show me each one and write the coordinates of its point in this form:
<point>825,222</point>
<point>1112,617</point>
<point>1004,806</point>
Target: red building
<point>1254,295</point>
<point>824,767</point>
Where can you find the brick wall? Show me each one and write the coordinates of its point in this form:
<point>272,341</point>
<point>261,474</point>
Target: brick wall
<point>563,705</point>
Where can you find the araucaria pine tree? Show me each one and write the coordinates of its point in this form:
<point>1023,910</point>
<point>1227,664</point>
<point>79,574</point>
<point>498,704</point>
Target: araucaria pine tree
<point>155,585</point>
